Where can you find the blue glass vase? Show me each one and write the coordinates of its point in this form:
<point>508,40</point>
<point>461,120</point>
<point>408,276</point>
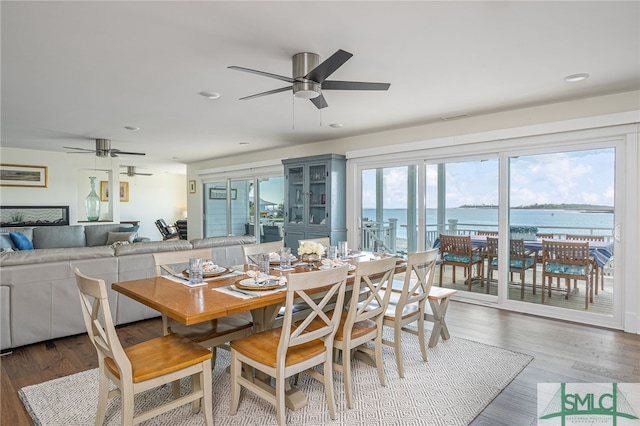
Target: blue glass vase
<point>92,202</point>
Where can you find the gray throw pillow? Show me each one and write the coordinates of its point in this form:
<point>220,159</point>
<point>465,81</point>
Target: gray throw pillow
<point>120,236</point>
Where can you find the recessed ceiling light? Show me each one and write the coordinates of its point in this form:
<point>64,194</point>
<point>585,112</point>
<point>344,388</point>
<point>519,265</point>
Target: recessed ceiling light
<point>336,125</point>
<point>132,128</point>
<point>210,95</point>
<point>576,77</point>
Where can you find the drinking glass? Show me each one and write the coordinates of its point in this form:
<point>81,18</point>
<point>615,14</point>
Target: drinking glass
<point>263,262</point>
<point>332,252</point>
<point>343,250</point>
<point>195,270</point>
<point>285,258</point>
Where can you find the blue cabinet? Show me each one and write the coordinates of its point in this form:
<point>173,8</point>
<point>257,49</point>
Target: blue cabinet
<point>315,199</point>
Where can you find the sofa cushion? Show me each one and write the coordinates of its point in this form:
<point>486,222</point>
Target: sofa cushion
<point>223,241</point>
<point>20,241</point>
<point>45,237</point>
<point>53,255</point>
<point>97,235</point>
<point>153,247</point>
<point>26,230</point>
<point>112,237</point>
<point>6,241</point>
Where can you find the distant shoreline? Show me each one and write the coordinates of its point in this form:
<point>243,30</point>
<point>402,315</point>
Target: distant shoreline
<point>584,208</point>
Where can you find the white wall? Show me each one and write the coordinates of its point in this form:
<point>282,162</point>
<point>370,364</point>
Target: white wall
<point>162,195</point>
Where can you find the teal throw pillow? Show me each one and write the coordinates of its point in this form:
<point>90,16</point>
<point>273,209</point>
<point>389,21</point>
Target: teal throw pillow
<point>20,241</point>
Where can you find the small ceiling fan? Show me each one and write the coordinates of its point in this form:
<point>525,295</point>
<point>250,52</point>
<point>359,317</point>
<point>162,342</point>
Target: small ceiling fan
<point>131,171</point>
<point>310,78</point>
<point>103,149</point>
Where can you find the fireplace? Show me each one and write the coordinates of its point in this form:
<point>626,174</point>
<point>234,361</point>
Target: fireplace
<point>34,216</point>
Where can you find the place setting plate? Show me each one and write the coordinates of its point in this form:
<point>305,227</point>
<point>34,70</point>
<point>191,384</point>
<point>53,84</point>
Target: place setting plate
<point>253,285</point>
<point>210,274</point>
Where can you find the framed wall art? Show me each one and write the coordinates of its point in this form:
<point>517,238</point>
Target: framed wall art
<point>192,187</point>
<point>22,175</point>
<point>104,191</point>
<point>221,194</point>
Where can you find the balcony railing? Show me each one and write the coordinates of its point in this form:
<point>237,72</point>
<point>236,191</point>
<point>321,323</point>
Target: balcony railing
<point>379,236</point>
<point>382,236</point>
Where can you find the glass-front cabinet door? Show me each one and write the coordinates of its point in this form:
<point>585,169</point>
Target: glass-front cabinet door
<point>315,198</point>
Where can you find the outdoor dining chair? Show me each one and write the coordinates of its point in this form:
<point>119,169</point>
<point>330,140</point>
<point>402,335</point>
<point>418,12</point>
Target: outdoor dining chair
<point>408,305</point>
<point>568,260</point>
<point>143,366</point>
<point>457,251</point>
<point>598,272</point>
<point>296,346</point>
<point>520,260</point>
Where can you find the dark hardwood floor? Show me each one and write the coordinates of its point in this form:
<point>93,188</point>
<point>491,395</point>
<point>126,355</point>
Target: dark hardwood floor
<point>562,351</point>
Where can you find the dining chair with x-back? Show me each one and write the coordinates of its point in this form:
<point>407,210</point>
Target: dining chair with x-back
<point>362,320</point>
<point>409,304</point>
<point>250,250</point>
<point>296,346</point>
<point>143,366</point>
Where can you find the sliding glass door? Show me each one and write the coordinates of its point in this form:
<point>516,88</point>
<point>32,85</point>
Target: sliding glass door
<point>235,207</point>
<point>564,196</point>
<point>389,212</point>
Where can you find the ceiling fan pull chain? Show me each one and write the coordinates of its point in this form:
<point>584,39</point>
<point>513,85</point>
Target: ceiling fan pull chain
<point>293,113</point>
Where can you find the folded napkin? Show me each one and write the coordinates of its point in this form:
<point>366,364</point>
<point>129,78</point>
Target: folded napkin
<point>332,263</point>
<point>274,257</point>
<point>208,266</point>
<point>261,277</point>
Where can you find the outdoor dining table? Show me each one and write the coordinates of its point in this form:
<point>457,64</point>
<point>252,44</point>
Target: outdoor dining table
<point>193,305</point>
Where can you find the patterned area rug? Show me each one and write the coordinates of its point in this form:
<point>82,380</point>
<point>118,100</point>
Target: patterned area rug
<point>452,388</point>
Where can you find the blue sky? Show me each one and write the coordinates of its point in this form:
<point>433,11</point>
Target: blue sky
<point>580,177</point>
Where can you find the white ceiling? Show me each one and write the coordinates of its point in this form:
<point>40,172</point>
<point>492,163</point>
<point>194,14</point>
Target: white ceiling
<point>76,71</point>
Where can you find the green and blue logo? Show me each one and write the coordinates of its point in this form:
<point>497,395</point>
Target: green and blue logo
<point>614,404</point>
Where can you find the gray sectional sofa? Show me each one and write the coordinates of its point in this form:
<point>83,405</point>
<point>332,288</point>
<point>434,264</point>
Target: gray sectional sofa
<point>38,293</point>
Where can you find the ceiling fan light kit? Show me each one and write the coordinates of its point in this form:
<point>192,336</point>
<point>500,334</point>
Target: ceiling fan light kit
<point>131,172</point>
<point>309,78</point>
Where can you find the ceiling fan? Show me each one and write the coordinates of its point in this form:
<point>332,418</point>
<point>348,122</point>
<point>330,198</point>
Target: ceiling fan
<point>103,149</point>
<point>131,171</point>
<point>310,78</point>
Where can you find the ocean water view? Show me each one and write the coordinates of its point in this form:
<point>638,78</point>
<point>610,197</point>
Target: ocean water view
<point>546,220</point>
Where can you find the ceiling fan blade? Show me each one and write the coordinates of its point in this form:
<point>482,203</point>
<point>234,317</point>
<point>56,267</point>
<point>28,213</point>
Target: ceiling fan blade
<point>136,174</point>
<point>265,74</point>
<point>328,67</point>
<point>84,150</point>
<point>270,92</point>
<point>353,85</point>
<point>319,101</point>
<point>116,152</point>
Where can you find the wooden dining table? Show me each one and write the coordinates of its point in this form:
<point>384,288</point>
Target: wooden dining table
<point>192,305</point>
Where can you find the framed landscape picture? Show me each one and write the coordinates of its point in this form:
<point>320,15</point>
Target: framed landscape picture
<point>221,194</point>
<point>104,191</point>
<point>21,175</point>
